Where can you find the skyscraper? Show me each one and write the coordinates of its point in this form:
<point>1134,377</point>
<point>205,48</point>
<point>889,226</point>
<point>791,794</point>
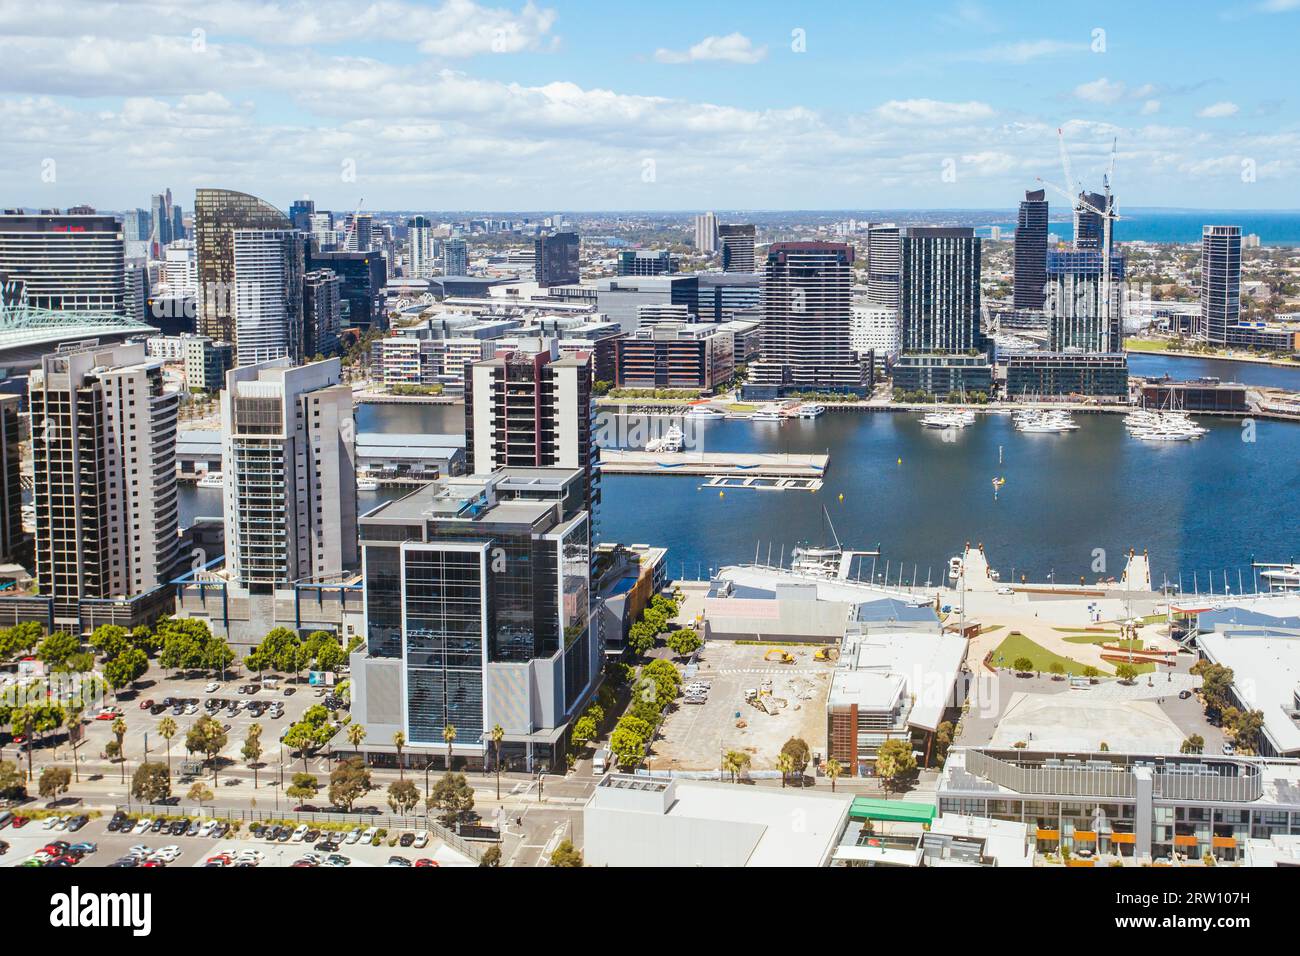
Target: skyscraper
<point>359,231</point>
<point>1077,320</point>
<point>12,537</point>
<point>1090,226</point>
<point>807,316</point>
<point>104,479</point>
<point>883,265</point>
<point>455,257</point>
<point>218,214</point>
<point>706,233</point>
<point>268,295</point>
<point>737,242</point>
<point>136,225</point>
<point>300,214</point>
<point>532,409</point>
<point>288,461</point>
<point>420,240</point>
<point>1220,282</point>
<point>160,208</point>
<point>66,263</point>
<point>361,276</point>
<point>322,313</point>
<point>555,259</point>
<point>1030,276</point>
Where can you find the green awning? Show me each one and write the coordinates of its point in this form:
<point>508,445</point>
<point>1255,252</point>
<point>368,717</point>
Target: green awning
<point>900,811</point>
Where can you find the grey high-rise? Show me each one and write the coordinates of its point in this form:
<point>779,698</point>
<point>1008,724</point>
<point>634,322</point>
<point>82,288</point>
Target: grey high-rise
<point>737,243</point>
<point>940,290</point>
<point>883,266</point>
<point>1220,282</point>
<point>1030,277</point>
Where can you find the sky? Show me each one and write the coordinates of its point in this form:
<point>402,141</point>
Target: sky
<point>579,106</point>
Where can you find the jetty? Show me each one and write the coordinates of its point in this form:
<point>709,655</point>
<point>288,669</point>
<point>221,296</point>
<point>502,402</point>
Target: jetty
<point>618,461</point>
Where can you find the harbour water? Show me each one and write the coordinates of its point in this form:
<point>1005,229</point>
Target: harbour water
<point>1200,508</point>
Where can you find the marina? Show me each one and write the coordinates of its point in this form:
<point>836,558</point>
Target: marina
<point>620,461</point>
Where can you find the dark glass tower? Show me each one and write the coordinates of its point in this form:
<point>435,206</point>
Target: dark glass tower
<point>556,259</point>
<point>1031,252</point>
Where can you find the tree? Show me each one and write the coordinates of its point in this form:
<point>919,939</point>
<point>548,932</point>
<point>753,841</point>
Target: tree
<point>498,734</point>
<point>22,721</point>
<point>399,741</point>
<point>833,770</point>
<point>167,730</point>
<point>349,782</point>
<point>943,740</point>
<point>57,649</point>
<point>356,734</point>
<point>452,797</point>
<point>684,642</point>
<point>799,754</point>
<point>12,780</point>
<point>449,737</point>
<point>200,794</point>
<point>584,729</point>
<point>151,783</point>
<point>1126,672</point>
<point>403,797</point>
<point>735,762</point>
<point>1057,670</point>
<point>894,761</point>
<point>119,734</point>
<point>1091,672</point>
<point>1194,744</point>
<point>303,787</point>
<point>784,763</point>
<point>252,749</point>
<point>125,668</point>
<point>207,737</point>
<point>54,781</point>
<point>1245,728</point>
<point>491,856</point>
<point>566,855</point>
<point>109,640</point>
<point>1022,665</point>
<point>640,638</point>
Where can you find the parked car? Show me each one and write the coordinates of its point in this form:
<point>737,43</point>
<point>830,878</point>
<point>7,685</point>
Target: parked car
<point>425,861</point>
<point>421,839</point>
<point>77,822</point>
<point>1184,694</point>
<point>406,839</point>
<point>108,713</point>
<point>398,861</point>
<point>353,835</point>
<point>299,832</point>
<point>146,704</point>
<point>211,687</point>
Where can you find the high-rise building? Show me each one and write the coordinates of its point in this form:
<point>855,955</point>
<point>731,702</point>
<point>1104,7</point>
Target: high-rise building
<point>1030,276</point>
<point>66,263</point>
<point>323,235</point>
<point>301,212</point>
<point>477,614</point>
<point>645,262</point>
<point>706,233</point>
<point>268,295</point>
<point>532,409</point>
<point>218,215</point>
<point>455,257</point>
<point>136,225</point>
<point>737,244</point>
<point>1077,321</point>
<point>104,478</point>
<point>322,313</point>
<point>555,259</point>
<point>807,316</point>
<point>359,232</point>
<point>135,278</point>
<point>180,270</point>
<point>420,240</point>
<point>1220,282</point>
<point>160,206</point>
<point>884,264</point>
<point>288,461</point>
<point>1090,226</point>
<point>206,363</point>
<point>940,290</point>
<point>621,298</point>
<point>362,276</point>
<point>12,537</point>
<point>178,223</point>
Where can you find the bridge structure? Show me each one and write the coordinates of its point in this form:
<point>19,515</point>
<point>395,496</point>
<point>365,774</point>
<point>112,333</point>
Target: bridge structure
<point>27,333</point>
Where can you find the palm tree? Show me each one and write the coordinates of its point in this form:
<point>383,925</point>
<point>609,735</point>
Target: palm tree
<point>833,770</point>
<point>784,763</point>
<point>449,735</point>
<point>734,762</point>
<point>21,722</point>
<point>167,729</point>
<point>356,734</point>
<point>119,731</point>
<point>73,722</point>
<point>399,741</point>
<point>497,735</point>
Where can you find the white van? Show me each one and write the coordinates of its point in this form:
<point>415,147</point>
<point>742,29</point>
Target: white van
<point>602,761</point>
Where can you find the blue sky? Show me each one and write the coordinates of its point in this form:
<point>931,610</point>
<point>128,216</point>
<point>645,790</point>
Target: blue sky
<point>455,104</point>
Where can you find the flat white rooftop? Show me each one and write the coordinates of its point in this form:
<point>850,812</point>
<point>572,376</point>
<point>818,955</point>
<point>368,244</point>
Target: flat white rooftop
<point>1266,676</point>
<point>1072,721</point>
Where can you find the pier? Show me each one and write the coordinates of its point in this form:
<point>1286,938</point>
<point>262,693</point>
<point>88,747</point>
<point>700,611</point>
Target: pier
<point>617,461</point>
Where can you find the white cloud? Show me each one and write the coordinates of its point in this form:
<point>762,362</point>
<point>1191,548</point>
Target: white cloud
<point>1219,110</point>
<point>1150,107</point>
<point>732,48</point>
<point>1100,90</point>
<point>925,111</point>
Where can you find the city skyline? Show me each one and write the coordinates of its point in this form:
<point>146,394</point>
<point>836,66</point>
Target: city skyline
<point>535,106</point>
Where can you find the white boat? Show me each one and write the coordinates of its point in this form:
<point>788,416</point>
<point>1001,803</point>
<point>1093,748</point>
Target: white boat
<point>670,442</point>
<point>211,480</point>
<point>767,415</point>
<point>1282,577</point>
<point>705,411</point>
<point>945,420</point>
<point>810,411</point>
<point>1049,422</point>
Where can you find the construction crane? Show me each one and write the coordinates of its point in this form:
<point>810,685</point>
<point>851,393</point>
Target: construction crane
<point>352,224</point>
<point>1107,213</point>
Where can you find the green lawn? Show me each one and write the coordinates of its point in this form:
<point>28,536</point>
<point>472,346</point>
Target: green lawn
<point>1146,345</point>
<point>1017,645</point>
<point>1105,639</point>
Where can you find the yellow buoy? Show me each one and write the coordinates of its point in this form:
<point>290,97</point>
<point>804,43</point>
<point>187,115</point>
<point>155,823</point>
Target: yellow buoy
<point>841,496</point>
<point>900,461</point>
<point>722,494</point>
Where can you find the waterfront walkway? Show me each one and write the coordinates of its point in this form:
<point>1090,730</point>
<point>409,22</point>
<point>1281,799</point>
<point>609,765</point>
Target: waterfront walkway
<point>615,461</point>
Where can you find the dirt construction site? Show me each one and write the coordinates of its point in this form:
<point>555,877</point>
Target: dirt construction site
<point>759,696</point>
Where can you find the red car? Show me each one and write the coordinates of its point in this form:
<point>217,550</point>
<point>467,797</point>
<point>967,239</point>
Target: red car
<point>19,822</point>
<point>425,861</point>
<point>152,863</point>
<point>221,859</point>
<point>66,859</point>
<point>108,715</point>
<point>146,704</point>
